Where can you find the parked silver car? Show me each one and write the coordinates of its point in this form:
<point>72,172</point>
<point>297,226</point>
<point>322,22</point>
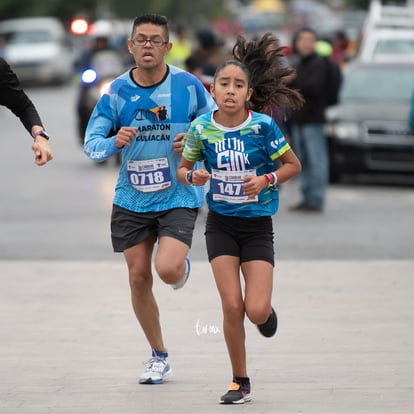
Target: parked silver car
<point>369,130</point>
<point>38,49</point>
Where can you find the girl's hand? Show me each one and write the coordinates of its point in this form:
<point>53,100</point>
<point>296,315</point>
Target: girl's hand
<point>200,177</point>
<point>253,185</point>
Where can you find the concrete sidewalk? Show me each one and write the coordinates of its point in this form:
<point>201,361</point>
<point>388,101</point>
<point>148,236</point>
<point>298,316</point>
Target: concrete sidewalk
<point>70,343</point>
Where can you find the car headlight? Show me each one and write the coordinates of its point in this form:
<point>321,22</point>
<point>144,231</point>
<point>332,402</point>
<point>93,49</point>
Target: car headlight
<point>343,130</point>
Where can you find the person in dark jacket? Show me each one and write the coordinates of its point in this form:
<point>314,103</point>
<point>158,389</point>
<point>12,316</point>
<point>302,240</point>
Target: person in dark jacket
<point>307,124</point>
<point>13,97</point>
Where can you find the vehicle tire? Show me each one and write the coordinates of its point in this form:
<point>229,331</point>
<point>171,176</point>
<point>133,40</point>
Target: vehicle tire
<point>334,176</point>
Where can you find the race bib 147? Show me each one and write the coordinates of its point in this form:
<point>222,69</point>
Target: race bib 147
<point>228,186</point>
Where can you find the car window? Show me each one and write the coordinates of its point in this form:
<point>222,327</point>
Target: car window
<point>28,36</point>
<point>393,84</point>
<point>394,47</point>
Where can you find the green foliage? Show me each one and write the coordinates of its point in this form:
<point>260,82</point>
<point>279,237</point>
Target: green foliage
<point>358,4</point>
<point>189,12</point>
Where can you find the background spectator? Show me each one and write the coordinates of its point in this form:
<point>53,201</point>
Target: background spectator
<point>210,51</point>
<point>181,48</point>
<point>307,124</point>
<point>411,120</point>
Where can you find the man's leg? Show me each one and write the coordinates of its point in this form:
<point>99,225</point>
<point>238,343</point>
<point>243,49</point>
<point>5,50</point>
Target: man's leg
<point>138,259</point>
<point>169,260</point>
<point>175,231</point>
<point>145,307</point>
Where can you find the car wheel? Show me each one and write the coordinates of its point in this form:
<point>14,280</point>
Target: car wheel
<point>334,176</point>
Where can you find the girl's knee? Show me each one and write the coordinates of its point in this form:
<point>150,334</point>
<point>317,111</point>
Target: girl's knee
<point>258,314</point>
<point>233,311</point>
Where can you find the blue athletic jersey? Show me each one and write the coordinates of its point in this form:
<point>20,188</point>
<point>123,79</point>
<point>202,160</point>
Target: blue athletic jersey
<point>147,177</point>
<point>231,153</point>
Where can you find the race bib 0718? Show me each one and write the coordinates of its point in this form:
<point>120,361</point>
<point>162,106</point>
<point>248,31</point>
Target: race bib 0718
<point>149,175</point>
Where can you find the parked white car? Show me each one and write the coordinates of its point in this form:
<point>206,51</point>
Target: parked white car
<point>38,49</point>
<point>389,45</point>
<point>388,34</point>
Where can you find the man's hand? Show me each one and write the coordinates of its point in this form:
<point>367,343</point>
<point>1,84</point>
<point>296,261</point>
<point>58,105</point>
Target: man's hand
<point>124,136</point>
<point>42,150</point>
<point>178,143</point>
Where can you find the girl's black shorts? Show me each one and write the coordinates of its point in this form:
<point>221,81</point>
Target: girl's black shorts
<point>247,238</point>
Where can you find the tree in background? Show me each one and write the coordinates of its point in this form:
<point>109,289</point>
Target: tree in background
<point>192,12</point>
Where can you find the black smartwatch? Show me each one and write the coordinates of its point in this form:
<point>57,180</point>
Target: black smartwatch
<point>189,177</point>
<point>41,133</point>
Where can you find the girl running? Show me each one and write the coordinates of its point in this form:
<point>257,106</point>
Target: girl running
<point>239,147</point>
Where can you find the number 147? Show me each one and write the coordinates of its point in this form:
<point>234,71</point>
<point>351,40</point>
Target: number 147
<point>233,189</point>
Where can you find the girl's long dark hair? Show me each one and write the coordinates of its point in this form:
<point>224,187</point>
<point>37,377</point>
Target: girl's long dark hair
<point>269,69</point>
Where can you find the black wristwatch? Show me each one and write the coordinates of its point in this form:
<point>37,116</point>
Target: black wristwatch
<point>189,177</point>
<point>41,133</point>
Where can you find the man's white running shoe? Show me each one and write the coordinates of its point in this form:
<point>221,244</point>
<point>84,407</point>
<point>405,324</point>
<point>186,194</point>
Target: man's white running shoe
<point>157,372</point>
<point>184,279</point>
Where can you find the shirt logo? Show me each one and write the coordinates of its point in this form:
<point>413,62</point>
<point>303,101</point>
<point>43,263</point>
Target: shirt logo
<point>135,98</point>
<point>274,144</point>
<point>158,113</point>
<point>230,154</point>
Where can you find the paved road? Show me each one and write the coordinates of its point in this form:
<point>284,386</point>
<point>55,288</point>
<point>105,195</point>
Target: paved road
<point>69,343</point>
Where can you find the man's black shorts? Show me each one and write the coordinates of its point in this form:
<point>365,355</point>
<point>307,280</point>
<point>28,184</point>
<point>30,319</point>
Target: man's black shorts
<point>129,228</point>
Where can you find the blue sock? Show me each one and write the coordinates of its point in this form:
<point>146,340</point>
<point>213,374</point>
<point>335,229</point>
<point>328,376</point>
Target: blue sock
<point>161,354</point>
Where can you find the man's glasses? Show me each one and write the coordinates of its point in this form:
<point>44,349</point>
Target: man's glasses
<point>142,41</point>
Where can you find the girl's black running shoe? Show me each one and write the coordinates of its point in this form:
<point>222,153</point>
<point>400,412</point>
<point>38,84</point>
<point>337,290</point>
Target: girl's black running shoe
<point>269,328</point>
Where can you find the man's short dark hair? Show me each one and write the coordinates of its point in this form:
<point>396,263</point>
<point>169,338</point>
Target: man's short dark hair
<point>155,19</point>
